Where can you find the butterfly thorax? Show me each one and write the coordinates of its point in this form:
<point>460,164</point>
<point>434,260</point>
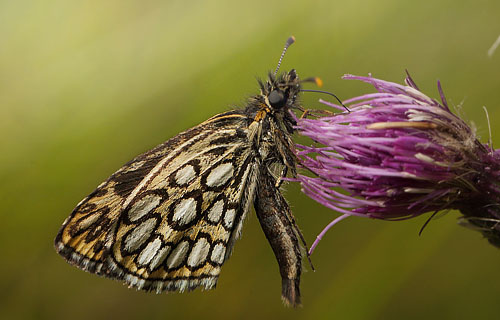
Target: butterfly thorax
<point>272,123</point>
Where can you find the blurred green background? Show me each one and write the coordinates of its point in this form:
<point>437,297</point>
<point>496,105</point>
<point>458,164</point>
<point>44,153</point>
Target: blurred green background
<point>87,85</point>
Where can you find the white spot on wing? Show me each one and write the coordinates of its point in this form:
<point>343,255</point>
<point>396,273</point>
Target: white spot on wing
<point>220,174</point>
<point>185,211</point>
<point>140,234</point>
<point>86,222</point>
<point>216,211</point>
<point>178,255</point>
<point>185,175</point>
<point>218,253</point>
<point>229,218</point>
<point>149,252</point>
<point>198,253</point>
<point>143,206</point>
<point>160,256</point>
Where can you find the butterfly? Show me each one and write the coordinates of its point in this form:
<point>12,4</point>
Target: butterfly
<point>168,219</point>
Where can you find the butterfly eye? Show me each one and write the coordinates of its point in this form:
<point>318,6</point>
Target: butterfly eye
<point>276,99</point>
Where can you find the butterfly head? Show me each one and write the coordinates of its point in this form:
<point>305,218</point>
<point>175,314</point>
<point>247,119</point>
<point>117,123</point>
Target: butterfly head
<point>280,93</point>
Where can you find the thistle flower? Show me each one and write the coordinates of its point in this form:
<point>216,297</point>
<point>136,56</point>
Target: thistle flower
<point>397,154</point>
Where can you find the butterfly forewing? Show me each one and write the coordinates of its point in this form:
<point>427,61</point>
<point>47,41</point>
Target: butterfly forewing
<point>168,219</point>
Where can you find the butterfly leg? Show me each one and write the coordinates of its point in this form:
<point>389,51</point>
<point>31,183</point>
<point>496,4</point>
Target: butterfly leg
<point>279,181</point>
<point>273,211</point>
<point>316,112</point>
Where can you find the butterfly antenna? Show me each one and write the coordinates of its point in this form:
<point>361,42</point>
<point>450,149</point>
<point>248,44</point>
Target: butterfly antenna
<point>288,43</point>
<point>326,92</point>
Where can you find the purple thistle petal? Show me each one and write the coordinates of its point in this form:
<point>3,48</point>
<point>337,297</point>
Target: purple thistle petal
<point>397,154</point>
<point>441,93</point>
<point>323,232</point>
<point>409,81</point>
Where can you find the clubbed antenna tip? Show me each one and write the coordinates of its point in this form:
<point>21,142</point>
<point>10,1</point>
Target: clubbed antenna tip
<point>288,43</point>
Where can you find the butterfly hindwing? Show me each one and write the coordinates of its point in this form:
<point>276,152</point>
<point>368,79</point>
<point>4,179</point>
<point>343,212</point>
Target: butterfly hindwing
<point>168,219</point>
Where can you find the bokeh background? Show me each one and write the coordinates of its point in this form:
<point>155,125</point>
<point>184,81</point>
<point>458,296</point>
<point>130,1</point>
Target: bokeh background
<point>87,85</point>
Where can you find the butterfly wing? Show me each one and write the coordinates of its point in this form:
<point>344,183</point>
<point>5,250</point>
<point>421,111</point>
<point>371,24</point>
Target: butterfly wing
<point>168,219</point>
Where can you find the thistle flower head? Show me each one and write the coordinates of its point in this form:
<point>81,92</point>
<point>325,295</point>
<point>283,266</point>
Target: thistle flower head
<point>398,154</point>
